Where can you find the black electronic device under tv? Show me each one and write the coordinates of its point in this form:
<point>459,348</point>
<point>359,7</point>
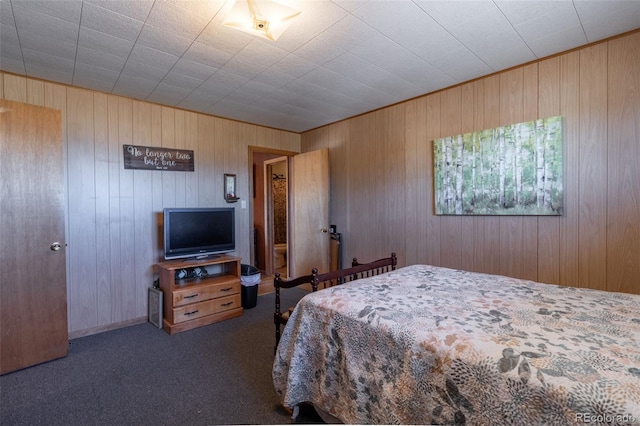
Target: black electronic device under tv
<point>198,232</point>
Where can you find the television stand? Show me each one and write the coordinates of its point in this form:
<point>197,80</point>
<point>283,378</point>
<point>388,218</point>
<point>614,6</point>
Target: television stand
<point>194,302</point>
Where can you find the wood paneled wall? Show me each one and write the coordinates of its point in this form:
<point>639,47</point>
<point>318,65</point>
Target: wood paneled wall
<point>382,173</point>
<point>112,213</point>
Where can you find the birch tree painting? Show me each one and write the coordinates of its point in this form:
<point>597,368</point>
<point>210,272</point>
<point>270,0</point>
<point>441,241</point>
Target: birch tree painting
<point>510,170</point>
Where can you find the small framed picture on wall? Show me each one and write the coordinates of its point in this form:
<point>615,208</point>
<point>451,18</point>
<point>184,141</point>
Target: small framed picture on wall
<point>230,188</point>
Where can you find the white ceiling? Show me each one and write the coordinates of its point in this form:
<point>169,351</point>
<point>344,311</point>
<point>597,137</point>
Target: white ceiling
<point>340,58</point>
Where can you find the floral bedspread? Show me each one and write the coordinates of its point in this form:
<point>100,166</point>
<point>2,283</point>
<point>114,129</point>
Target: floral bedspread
<point>431,345</point>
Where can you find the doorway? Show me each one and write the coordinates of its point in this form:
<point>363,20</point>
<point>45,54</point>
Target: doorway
<point>277,216</point>
<point>265,164</point>
<point>306,179</point>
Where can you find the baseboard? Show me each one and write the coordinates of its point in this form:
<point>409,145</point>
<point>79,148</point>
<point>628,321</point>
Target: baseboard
<point>265,287</point>
<point>101,329</point>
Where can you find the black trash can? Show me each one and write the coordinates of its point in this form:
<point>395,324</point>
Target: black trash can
<point>250,279</point>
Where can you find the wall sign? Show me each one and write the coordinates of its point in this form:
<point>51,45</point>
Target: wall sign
<point>151,158</point>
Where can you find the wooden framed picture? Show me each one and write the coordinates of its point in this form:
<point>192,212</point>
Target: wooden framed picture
<point>155,306</point>
<point>230,188</point>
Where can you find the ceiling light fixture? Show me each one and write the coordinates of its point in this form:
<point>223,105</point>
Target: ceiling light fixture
<point>262,18</point>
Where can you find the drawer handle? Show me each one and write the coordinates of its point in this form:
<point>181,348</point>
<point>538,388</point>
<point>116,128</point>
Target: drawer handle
<point>191,296</point>
<point>226,289</point>
<point>227,304</point>
<point>191,313</point>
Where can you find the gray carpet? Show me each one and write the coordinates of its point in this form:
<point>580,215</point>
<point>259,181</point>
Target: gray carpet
<point>139,375</point>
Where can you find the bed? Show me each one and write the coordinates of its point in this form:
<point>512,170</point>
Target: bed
<point>432,345</point>
<point>317,280</point>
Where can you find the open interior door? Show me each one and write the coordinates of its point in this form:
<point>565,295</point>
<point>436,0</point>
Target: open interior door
<point>309,242</point>
<point>33,298</point>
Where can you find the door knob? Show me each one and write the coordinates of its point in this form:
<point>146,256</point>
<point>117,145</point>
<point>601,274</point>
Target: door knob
<point>324,230</point>
<point>56,246</point>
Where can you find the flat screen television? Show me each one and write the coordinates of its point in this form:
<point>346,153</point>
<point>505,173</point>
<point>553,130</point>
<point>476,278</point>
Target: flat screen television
<point>198,232</point>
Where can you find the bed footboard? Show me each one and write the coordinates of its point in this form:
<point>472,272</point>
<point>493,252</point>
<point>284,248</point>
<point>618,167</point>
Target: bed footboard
<point>328,279</point>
